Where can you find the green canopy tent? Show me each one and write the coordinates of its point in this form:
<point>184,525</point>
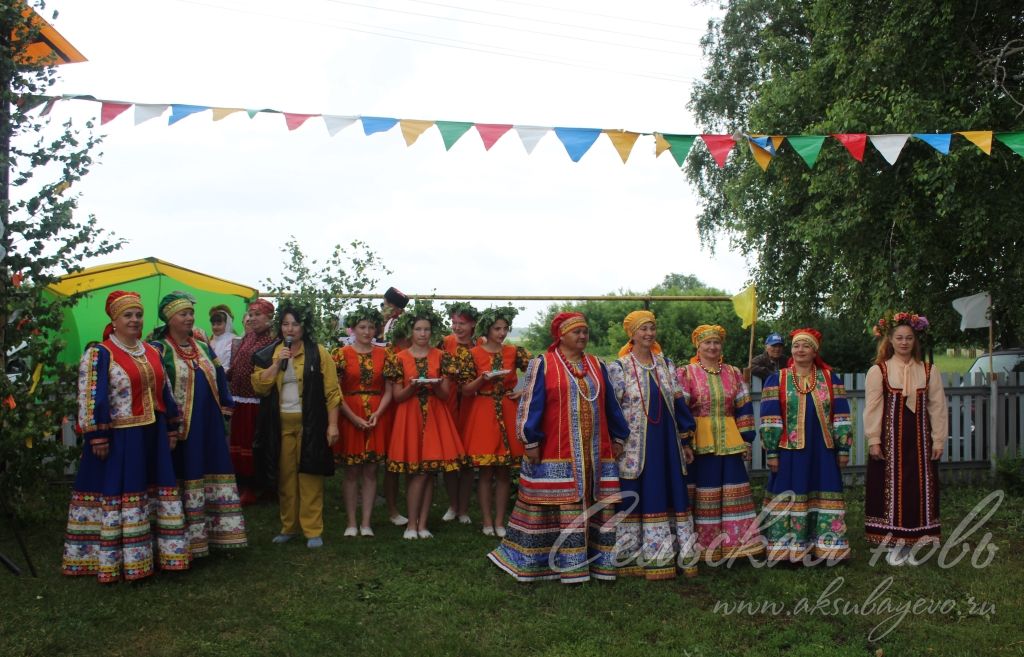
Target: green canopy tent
<point>152,279</point>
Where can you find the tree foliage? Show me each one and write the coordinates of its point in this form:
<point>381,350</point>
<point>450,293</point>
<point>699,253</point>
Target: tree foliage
<point>848,240</point>
<point>846,351</point>
<point>352,269</point>
<point>41,241</point>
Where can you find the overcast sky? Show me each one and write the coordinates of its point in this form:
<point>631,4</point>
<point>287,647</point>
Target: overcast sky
<point>221,197</point>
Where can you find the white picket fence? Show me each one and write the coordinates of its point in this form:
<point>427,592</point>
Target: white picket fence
<point>967,449</point>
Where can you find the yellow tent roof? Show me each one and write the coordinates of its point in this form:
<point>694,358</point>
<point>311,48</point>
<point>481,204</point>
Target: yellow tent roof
<point>47,43</point>
<point>102,276</point>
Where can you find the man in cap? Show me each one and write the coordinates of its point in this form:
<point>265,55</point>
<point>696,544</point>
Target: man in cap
<point>394,304</point>
<point>771,360</point>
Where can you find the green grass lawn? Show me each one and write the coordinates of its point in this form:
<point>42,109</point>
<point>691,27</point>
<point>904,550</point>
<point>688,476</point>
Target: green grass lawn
<point>387,596</point>
<point>953,363</point>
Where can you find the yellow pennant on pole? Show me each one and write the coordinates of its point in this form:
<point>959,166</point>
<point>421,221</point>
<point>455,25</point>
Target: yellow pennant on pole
<point>745,305</point>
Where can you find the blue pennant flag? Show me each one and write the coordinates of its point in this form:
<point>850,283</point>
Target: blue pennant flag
<point>178,112</point>
<point>765,143</point>
<point>939,142</point>
<point>577,141</point>
<point>372,124</point>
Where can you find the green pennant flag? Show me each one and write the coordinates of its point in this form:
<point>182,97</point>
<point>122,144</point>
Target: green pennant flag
<point>680,146</point>
<point>807,147</point>
<point>1013,140</point>
<point>451,131</point>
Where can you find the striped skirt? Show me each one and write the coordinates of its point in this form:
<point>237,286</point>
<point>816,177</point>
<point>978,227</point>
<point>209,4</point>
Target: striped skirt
<point>723,508</point>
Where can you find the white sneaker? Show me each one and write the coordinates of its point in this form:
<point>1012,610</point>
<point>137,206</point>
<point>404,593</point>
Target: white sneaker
<point>488,530</point>
<point>366,531</point>
<point>449,515</point>
<point>351,531</point>
<point>896,556</point>
<point>465,520</point>
<point>398,519</point>
<point>425,533</point>
<point>410,534</point>
<point>500,532</point>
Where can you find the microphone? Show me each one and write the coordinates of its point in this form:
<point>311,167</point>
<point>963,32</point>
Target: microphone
<point>287,345</point>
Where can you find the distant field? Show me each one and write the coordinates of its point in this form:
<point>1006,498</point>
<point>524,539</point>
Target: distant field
<point>953,364</point>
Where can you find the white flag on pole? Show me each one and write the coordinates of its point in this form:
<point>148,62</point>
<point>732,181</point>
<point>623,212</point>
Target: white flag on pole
<point>973,310</point>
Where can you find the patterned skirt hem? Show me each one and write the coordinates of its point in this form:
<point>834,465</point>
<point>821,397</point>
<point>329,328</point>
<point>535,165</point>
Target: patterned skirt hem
<point>425,467</point>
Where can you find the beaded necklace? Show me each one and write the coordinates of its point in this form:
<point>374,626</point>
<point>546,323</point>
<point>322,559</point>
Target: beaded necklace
<point>570,369</point>
<point>190,357</point>
<point>710,371</point>
<point>137,351</point>
<point>812,380</point>
<point>657,378</point>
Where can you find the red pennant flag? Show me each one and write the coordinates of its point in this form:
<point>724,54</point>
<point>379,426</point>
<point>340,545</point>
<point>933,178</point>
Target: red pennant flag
<point>855,143</point>
<point>17,279</point>
<point>10,403</point>
<point>295,120</point>
<point>719,145</point>
<point>109,111</point>
<point>491,133</point>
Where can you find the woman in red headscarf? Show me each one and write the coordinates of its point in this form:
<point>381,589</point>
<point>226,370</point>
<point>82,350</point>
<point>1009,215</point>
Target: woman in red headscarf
<point>125,493</point>
<point>805,426</point>
<point>567,421</point>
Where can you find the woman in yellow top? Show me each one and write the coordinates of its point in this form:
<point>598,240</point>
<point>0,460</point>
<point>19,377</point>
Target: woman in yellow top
<point>719,487</point>
<point>298,383</point>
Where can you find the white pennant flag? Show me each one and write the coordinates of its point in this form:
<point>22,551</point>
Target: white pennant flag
<point>890,146</point>
<point>335,124</point>
<point>973,310</point>
<point>147,112</point>
<point>530,135</point>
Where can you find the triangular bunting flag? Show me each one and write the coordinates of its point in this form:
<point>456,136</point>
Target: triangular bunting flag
<point>623,142</point>
<point>222,112</point>
<point>108,110</point>
<point>294,121</point>
<point>144,113</point>
<point>939,142</point>
<point>762,156</point>
<point>412,129</point>
<point>374,124</point>
<point>452,131</point>
<point>890,146</point>
<point>490,133</point>
<point>336,124</point>
<point>807,147</point>
<point>29,102</point>
<point>49,106</point>
<point>1012,140</point>
<point>745,305</point>
<point>980,138</point>
<point>679,146</point>
<point>252,113</point>
<point>178,112</point>
<point>719,145</point>
<point>855,143</point>
<point>763,142</point>
<point>660,144</point>
<point>577,141</point>
<point>531,135</point>
<point>777,141</point>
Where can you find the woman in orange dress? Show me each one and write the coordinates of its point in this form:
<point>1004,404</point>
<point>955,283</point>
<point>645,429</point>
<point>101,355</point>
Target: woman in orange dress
<point>459,485</point>
<point>365,371</point>
<point>489,397</point>
<point>424,440</point>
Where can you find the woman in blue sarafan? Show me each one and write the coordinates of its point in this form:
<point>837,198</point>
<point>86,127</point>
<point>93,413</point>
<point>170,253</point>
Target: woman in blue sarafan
<point>561,526</point>
<point>125,517</point>
<point>805,426</point>
<point>656,535</point>
<point>202,461</point>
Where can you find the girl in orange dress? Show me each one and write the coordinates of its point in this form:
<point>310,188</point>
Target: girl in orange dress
<point>365,371</point>
<point>424,439</point>
<point>490,397</point>
<point>459,485</point>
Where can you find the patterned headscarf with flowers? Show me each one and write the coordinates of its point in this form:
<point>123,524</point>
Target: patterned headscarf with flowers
<point>812,337</point>
<point>562,324</point>
<point>705,332</point>
<point>631,323</point>
<point>119,301</point>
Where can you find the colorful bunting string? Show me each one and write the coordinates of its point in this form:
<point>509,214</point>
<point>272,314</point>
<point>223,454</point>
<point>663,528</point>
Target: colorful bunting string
<point>576,141</point>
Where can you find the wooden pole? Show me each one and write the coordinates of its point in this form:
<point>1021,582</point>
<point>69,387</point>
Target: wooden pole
<point>750,353</point>
<point>993,408</point>
<point>565,297</point>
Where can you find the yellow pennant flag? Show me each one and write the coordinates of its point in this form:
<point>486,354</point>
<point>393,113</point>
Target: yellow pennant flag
<point>220,112</point>
<point>413,128</point>
<point>777,141</point>
<point>622,141</point>
<point>761,156</point>
<point>660,144</point>
<point>745,305</point>
<point>980,138</point>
